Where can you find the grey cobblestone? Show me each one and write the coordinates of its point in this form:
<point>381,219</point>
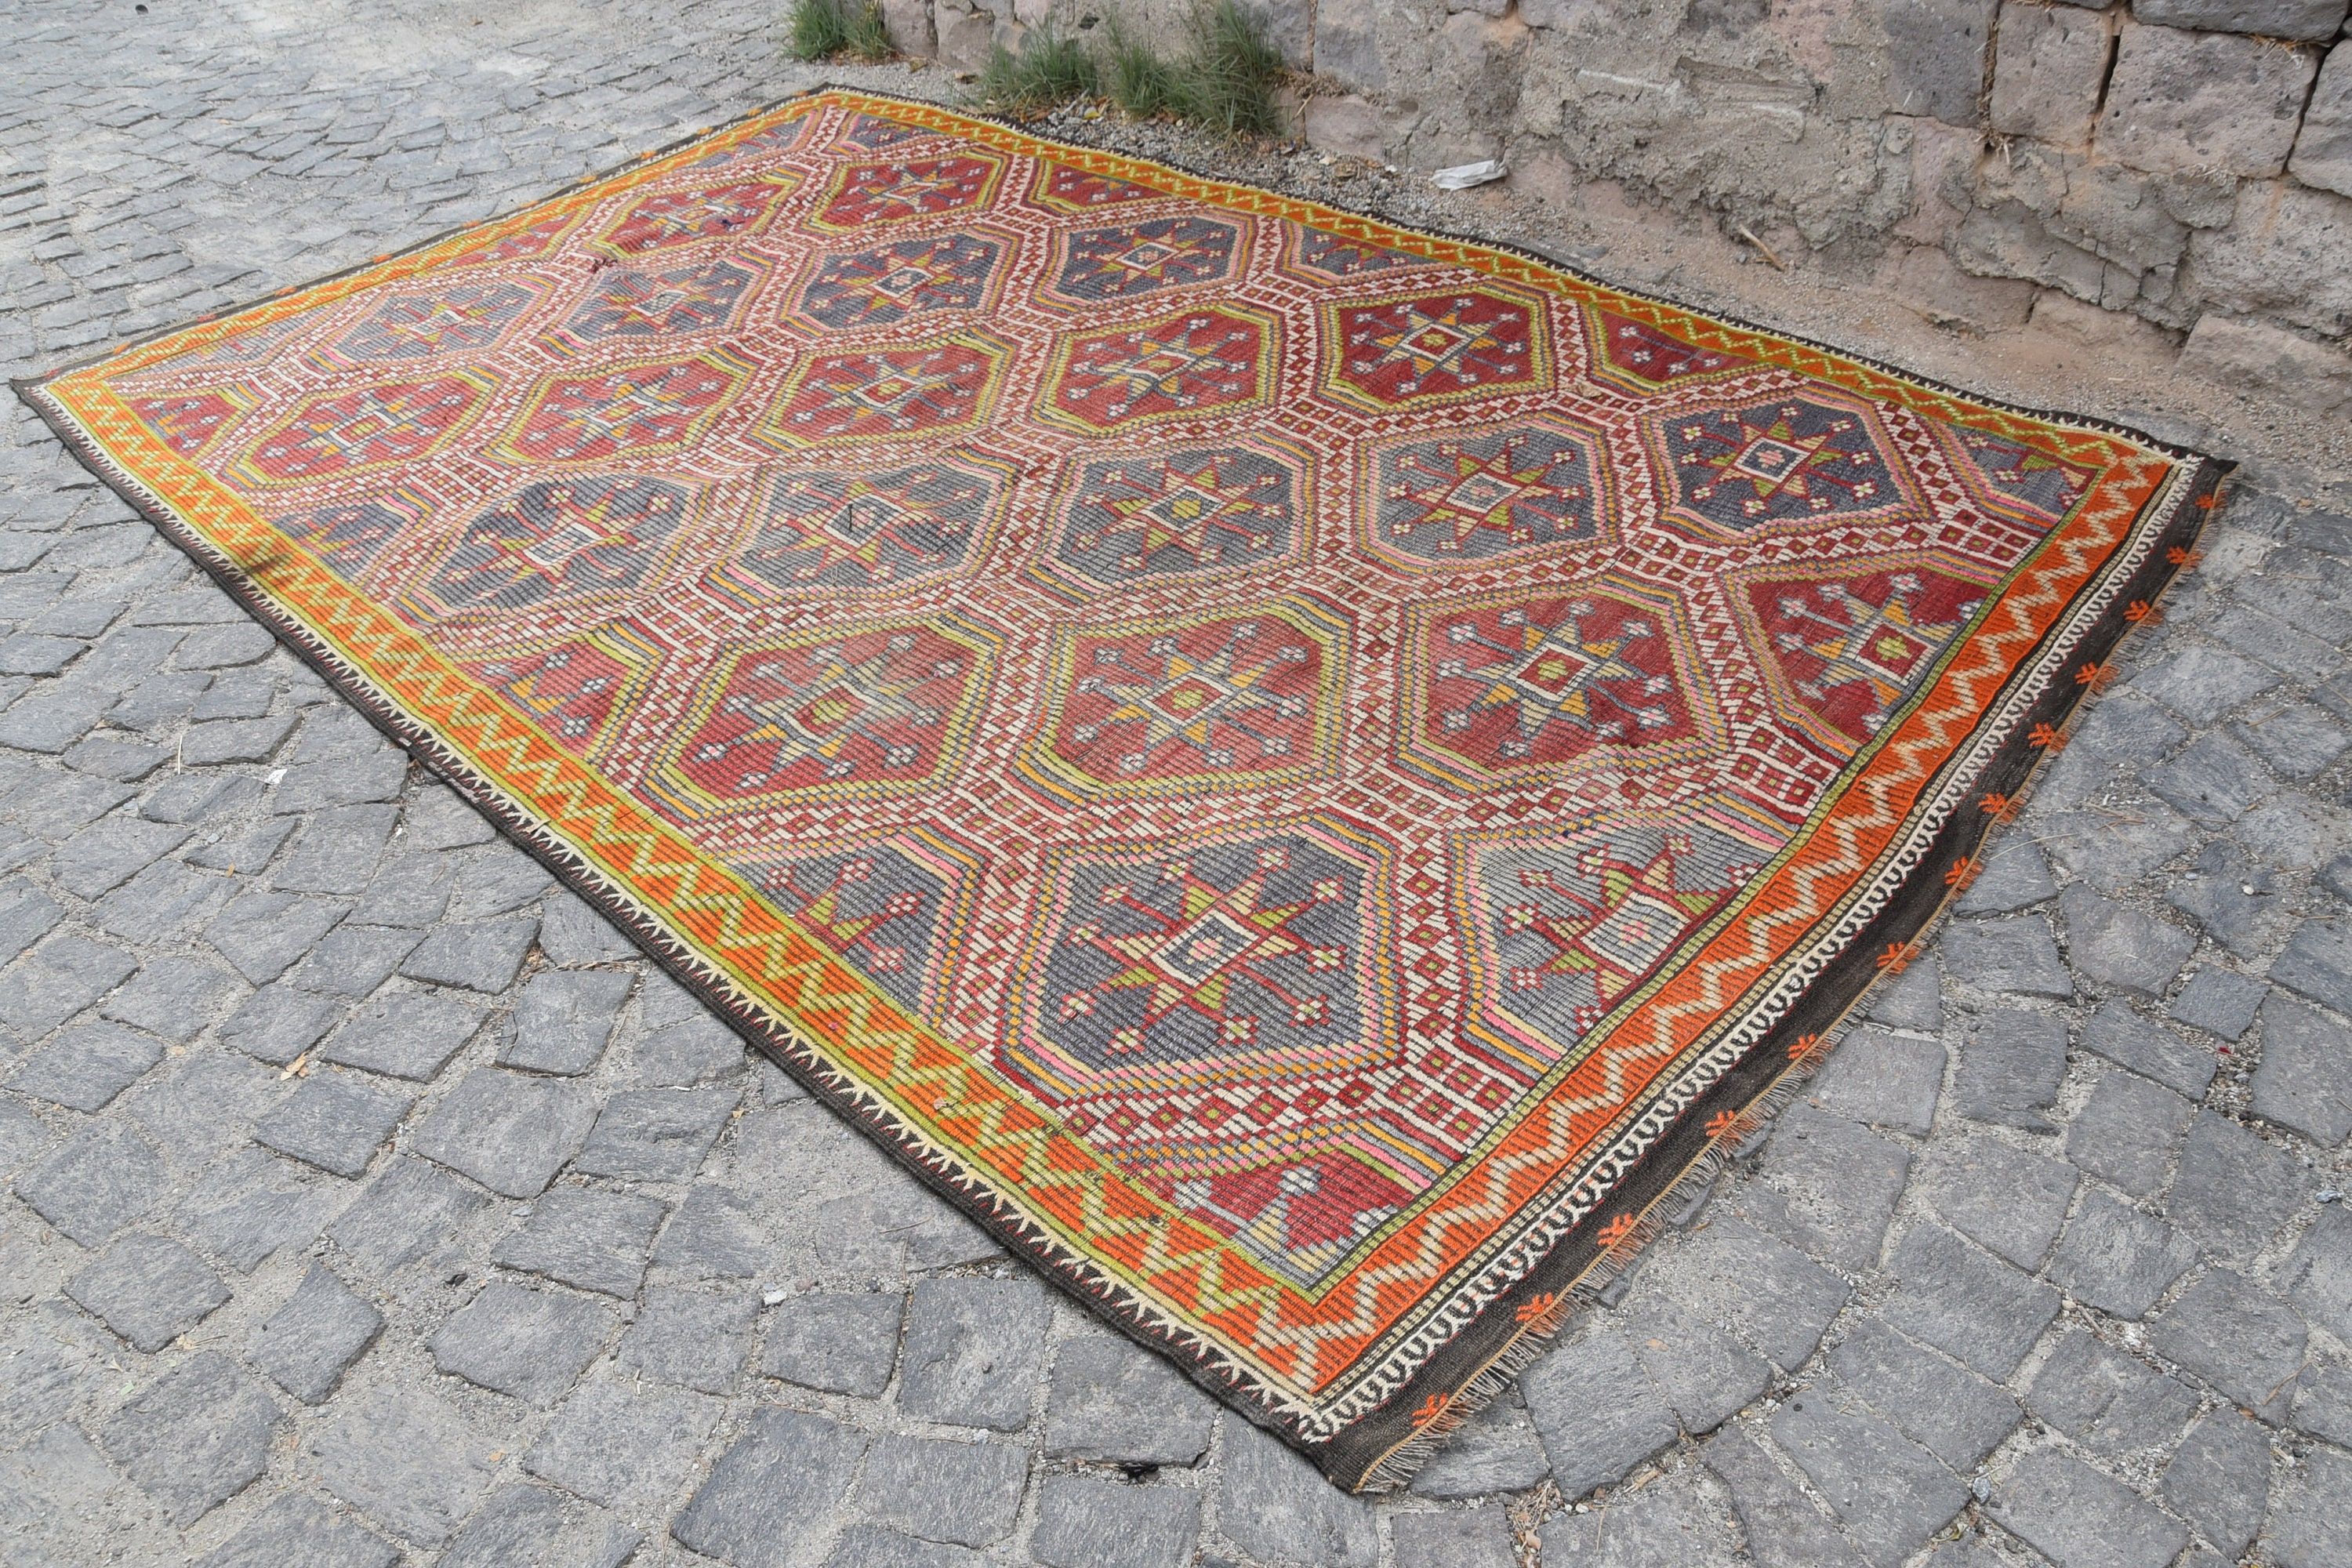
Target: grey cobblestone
<point>1089,1521</point>
<point>1110,1400</point>
<point>335,1120</point>
<point>299,1531</point>
<point>779,1482</point>
<point>1598,1409</point>
<point>2010,1067</point>
<point>588,1237</point>
<point>840,1342</point>
<point>1891,1494</point>
<point>2108,1400</point>
<point>1944,1408</point>
<point>964,1494</point>
<point>149,1289</point>
<point>309,1343</point>
<point>199,1435</point>
<point>1274,1506</point>
<point>2080,1517</point>
<point>2244,1342</point>
<point>509,1133</point>
<point>973,1351</point>
<point>84,1068</point>
<point>1783,1526</point>
<point>1965,1303</point>
<point>2117,1259</point>
<point>151,871</point>
<point>624,1444</point>
<point>530,1344</point>
<point>406,1458</point>
<point>2219,1479</point>
<point>2009,1200</point>
<point>1886,1080</point>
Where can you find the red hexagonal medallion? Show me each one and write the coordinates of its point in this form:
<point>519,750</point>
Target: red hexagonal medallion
<point>848,712</point>
<point>867,195</point>
<point>1191,364</point>
<point>918,391</point>
<point>631,410</point>
<point>186,422</point>
<point>1513,688</point>
<point>391,422</point>
<point>1433,346</point>
<point>665,218</point>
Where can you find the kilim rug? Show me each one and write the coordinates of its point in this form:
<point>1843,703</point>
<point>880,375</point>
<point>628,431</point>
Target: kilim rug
<point>1305,773</point>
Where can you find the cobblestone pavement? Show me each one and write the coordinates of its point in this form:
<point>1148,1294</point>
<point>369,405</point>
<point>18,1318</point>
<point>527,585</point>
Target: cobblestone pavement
<point>369,1200</point>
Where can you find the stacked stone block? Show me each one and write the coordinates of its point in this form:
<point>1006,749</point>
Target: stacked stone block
<point>2186,163</point>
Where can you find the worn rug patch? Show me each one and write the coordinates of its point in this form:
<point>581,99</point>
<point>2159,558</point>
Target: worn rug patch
<point>1305,773</point>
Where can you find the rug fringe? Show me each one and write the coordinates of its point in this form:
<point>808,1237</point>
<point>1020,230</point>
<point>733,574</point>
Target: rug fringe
<point>1539,1328</point>
<point>1734,1138</point>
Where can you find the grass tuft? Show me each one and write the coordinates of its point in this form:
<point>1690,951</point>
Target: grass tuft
<point>1051,68</point>
<point>1224,80</point>
<point>830,29</point>
<point>1229,75</point>
<point>1134,76</point>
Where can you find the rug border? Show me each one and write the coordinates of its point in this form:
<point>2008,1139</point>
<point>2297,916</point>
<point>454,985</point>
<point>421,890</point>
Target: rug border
<point>1379,1451</point>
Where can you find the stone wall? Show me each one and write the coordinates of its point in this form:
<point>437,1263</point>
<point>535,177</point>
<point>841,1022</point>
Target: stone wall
<point>2186,162</point>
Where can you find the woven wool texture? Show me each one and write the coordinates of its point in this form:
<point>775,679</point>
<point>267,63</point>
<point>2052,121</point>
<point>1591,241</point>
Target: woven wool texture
<point>1305,773</point>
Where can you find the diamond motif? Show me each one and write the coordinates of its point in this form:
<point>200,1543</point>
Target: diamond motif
<point>1251,953</point>
<point>1190,365</point>
<point>1438,346</point>
<point>734,210</point>
<point>623,303</point>
<point>1645,358</point>
<point>577,689</point>
<point>833,532</point>
<point>1843,646</point>
<point>868,195</point>
<point>441,321</point>
<point>597,539</point>
<point>532,239</point>
<point>1131,260</point>
<point>1562,925</point>
<point>853,711</point>
<point>1181,514</point>
<point>922,391</point>
<point>892,905</point>
<point>186,422</point>
<point>1472,496</point>
<point>633,410</point>
<point>375,426</point>
<point>1250,698</point>
<point>1512,689</point>
<point>349,535</point>
<point>1323,257</point>
<point>2015,480</point>
<point>909,278</point>
<point>1775,465</point>
<point>1066,187</point>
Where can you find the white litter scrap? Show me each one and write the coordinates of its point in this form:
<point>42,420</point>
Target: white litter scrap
<point>1462,176</point>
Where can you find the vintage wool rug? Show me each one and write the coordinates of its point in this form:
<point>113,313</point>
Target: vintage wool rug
<point>1305,773</point>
